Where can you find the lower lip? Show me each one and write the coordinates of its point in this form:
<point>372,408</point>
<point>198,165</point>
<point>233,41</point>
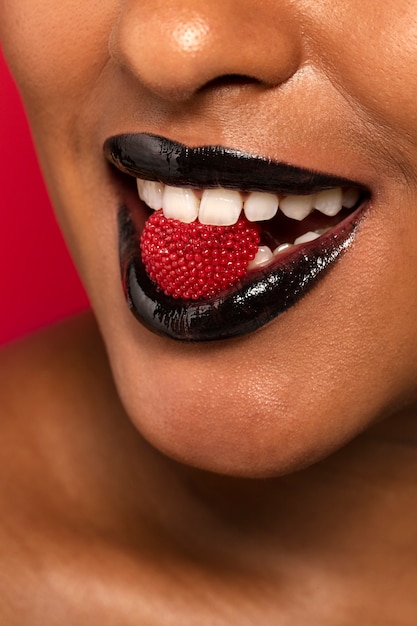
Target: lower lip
<point>258,299</point>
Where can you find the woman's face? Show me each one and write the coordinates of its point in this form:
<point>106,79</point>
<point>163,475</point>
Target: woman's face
<point>327,86</point>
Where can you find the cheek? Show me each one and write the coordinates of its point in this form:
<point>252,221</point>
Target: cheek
<point>370,49</point>
<point>55,50</point>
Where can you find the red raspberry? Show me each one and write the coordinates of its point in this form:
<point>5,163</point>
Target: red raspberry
<point>193,261</point>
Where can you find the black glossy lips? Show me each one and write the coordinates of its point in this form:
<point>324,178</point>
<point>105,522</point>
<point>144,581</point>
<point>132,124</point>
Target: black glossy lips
<point>264,293</point>
<point>156,158</point>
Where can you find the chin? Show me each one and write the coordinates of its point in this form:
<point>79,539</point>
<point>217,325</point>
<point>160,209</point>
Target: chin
<point>232,407</point>
<point>233,428</point>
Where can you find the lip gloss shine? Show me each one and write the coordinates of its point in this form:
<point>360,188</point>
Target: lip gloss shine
<point>152,157</point>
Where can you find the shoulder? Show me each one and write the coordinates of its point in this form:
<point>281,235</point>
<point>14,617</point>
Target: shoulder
<point>56,499</point>
<point>45,398</point>
<point>49,352</point>
<point>50,386</point>
<point>38,372</point>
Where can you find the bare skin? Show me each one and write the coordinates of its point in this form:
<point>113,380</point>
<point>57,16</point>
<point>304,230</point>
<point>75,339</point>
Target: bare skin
<point>248,524</point>
<point>313,100</point>
<point>94,532</point>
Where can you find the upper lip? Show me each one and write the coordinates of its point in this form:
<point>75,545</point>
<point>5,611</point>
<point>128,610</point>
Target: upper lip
<point>152,157</point>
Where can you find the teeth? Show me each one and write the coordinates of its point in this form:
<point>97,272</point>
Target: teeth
<point>310,236</point>
<point>282,247</point>
<point>260,206</point>
<point>151,193</point>
<point>329,201</point>
<point>141,185</point>
<point>180,203</point>
<point>350,197</point>
<point>223,207</point>
<point>262,257</point>
<point>220,206</point>
<point>296,207</point>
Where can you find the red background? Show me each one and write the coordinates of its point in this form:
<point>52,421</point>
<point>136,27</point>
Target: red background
<point>38,283</point>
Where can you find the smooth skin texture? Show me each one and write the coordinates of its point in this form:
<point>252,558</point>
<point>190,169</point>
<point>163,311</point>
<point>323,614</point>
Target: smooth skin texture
<point>112,514</point>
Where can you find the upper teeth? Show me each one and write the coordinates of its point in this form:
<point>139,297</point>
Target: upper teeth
<point>219,206</point>
<point>223,206</point>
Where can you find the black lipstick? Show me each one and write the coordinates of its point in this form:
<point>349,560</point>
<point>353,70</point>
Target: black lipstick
<point>263,294</point>
<point>254,302</point>
<point>156,158</point>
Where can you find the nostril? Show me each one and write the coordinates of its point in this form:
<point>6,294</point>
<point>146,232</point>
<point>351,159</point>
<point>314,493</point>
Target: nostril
<point>230,80</point>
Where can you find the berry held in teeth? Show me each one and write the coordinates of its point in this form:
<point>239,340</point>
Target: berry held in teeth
<point>198,243</point>
<point>194,260</point>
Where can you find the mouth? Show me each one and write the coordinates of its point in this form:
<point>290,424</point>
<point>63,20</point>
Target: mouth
<point>215,243</point>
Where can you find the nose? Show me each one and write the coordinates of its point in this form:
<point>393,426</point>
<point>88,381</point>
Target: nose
<point>177,47</point>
